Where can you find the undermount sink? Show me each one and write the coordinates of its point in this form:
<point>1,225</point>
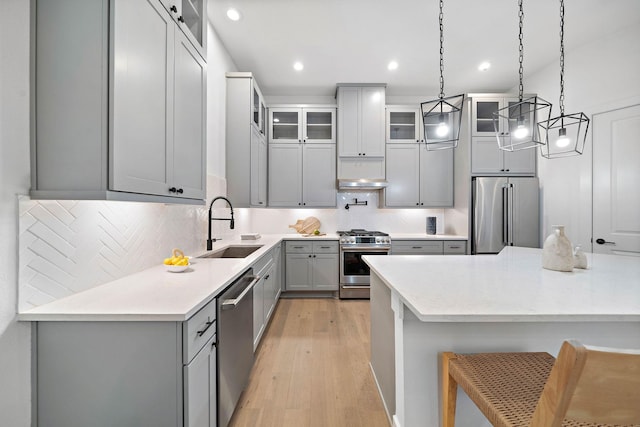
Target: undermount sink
<point>232,252</point>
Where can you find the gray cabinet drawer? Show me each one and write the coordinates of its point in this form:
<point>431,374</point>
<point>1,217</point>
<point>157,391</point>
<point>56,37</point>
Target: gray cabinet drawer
<point>296,247</point>
<point>198,330</point>
<point>456,247</point>
<point>325,247</point>
<point>260,266</point>
<point>417,247</point>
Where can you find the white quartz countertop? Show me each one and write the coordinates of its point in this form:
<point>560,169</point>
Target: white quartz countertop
<point>155,294</point>
<point>425,236</point>
<point>512,286</point>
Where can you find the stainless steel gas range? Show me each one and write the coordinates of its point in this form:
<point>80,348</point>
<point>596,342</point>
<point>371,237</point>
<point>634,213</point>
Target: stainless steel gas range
<point>354,272</point>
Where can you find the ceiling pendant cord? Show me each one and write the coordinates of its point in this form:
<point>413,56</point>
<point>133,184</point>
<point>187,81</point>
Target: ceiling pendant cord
<point>515,123</point>
<point>440,19</point>
<point>442,117</point>
<point>520,50</point>
<point>566,134</point>
<point>561,58</point>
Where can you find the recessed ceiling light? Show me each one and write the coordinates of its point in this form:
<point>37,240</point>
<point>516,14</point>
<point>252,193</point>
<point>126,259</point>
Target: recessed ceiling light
<point>393,65</point>
<point>484,66</point>
<point>233,14</point>
<point>298,66</point>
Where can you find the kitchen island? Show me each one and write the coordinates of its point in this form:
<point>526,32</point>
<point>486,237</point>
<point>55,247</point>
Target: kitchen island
<point>422,306</point>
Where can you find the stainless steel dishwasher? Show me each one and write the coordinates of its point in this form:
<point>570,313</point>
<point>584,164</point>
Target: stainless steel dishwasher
<point>235,343</point>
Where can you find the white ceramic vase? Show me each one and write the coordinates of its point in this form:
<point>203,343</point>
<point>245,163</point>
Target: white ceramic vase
<point>557,252</point>
<point>579,258</point>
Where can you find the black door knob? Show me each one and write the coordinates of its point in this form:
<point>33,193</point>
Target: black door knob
<point>173,190</point>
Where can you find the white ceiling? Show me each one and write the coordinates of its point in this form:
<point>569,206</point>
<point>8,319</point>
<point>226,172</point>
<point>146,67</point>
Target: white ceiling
<point>352,41</point>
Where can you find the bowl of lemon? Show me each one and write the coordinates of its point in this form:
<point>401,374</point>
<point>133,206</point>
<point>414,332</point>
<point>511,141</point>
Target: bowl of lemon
<point>177,263</point>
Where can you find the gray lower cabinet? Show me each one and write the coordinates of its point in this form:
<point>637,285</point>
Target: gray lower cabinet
<point>312,266</point>
<point>416,247</point>
<point>265,292</point>
<point>126,374</point>
<point>200,388</point>
<point>120,110</point>
<point>428,247</point>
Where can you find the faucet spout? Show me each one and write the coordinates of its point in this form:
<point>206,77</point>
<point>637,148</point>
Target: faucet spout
<point>231,220</point>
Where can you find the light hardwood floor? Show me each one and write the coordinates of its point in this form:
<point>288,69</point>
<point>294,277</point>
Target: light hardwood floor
<point>312,369</point>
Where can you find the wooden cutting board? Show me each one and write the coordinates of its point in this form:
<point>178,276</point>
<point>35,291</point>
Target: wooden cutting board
<point>307,225</point>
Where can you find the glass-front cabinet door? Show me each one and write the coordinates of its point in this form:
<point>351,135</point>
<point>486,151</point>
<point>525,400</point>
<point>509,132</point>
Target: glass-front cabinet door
<point>403,125</point>
<point>483,109</point>
<point>190,16</point>
<point>285,125</point>
<point>319,125</point>
<point>258,109</point>
<point>302,124</point>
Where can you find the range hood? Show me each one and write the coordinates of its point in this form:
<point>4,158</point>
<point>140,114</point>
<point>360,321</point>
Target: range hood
<point>361,184</point>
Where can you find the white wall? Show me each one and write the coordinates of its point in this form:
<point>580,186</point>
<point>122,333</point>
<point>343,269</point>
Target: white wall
<point>15,357</point>
<point>15,338</point>
<point>599,76</point>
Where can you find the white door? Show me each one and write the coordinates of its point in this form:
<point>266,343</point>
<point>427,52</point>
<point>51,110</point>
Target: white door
<point>616,182</point>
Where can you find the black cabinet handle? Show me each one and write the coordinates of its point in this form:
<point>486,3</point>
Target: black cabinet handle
<point>267,278</point>
<point>604,242</point>
<point>181,19</point>
<point>174,9</point>
<point>207,326</point>
<point>179,191</point>
<point>173,190</point>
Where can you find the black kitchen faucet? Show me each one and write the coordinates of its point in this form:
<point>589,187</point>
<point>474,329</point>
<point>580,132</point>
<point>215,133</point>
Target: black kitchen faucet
<point>231,221</point>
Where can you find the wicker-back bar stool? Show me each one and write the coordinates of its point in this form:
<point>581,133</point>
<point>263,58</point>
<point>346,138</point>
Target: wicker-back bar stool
<point>584,387</point>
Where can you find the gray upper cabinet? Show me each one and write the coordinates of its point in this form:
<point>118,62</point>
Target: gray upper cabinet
<point>361,131</point>
<point>486,157</point>
<point>302,175</point>
<point>304,124</point>
<point>302,156</point>
<point>120,112</point>
<point>417,177</point>
<point>246,146</point>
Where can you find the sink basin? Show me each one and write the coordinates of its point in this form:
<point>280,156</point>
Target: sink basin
<point>232,252</point>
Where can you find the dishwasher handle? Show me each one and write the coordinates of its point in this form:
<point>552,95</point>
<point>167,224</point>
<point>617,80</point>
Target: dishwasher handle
<point>232,303</point>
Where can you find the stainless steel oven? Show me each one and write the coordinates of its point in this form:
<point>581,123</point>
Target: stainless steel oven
<point>354,272</point>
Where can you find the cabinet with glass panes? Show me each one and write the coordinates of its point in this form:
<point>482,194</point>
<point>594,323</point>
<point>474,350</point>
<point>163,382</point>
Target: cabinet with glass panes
<point>302,124</point>
<point>190,16</point>
<point>403,124</point>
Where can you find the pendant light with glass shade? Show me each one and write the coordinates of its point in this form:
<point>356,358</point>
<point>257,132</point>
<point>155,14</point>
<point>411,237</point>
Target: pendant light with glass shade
<point>442,117</point>
<point>566,134</point>
<point>515,125</point>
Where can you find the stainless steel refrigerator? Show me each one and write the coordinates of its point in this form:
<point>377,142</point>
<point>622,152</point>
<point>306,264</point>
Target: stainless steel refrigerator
<point>505,212</point>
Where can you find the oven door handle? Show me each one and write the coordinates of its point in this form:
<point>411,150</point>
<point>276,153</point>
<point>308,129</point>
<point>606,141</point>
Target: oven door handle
<point>364,248</point>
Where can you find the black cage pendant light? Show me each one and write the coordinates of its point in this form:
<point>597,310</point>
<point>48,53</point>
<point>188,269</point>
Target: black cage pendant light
<point>515,125</point>
<point>442,117</point>
<point>566,134</point>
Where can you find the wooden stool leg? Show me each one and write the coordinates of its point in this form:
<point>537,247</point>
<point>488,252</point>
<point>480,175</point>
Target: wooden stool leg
<point>449,392</point>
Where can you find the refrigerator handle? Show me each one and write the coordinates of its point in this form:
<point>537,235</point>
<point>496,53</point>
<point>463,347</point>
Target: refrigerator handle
<point>511,222</point>
<point>505,215</point>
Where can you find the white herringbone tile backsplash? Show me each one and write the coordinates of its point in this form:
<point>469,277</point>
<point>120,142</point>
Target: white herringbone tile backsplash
<point>69,246</point>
